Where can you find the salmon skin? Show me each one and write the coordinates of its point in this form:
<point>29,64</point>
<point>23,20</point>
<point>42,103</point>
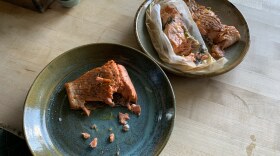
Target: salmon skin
<point>101,84</point>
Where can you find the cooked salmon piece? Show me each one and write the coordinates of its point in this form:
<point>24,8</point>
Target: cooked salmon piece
<point>219,35</point>
<point>93,143</point>
<point>112,137</point>
<point>100,84</point>
<point>123,117</point>
<point>136,109</point>
<point>94,127</point>
<point>86,135</point>
<point>126,127</point>
<point>176,31</point>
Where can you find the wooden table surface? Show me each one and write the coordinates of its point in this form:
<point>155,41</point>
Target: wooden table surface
<point>237,113</point>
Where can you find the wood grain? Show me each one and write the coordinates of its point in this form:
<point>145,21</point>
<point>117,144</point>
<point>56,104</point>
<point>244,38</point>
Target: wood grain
<point>237,113</point>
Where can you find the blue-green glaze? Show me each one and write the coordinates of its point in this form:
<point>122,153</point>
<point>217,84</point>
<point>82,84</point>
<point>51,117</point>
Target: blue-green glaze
<point>69,3</point>
<point>228,14</point>
<point>52,128</point>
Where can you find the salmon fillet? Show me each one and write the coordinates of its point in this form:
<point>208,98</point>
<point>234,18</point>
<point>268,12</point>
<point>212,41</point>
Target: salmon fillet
<point>219,35</point>
<point>101,84</point>
<point>177,32</point>
<point>183,43</point>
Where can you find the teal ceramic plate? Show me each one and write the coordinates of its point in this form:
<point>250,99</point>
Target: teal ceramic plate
<point>228,14</point>
<point>52,128</point>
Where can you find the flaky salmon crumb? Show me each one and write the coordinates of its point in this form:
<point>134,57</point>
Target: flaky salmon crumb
<point>136,109</point>
<point>86,135</point>
<point>123,118</point>
<point>112,137</point>
<point>94,127</point>
<point>126,127</point>
<point>93,143</point>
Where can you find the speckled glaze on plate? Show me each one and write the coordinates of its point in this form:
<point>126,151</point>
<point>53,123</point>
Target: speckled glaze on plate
<point>228,14</point>
<point>52,128</point>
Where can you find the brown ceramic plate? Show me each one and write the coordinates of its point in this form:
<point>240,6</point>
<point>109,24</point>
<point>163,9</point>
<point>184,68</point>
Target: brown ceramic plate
<point>228,14</point>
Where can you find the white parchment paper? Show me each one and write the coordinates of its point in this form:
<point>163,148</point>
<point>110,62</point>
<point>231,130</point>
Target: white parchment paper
<point>163,45</point>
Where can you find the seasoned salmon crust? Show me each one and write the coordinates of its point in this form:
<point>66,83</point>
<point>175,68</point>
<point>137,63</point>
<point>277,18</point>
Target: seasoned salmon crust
<point>101,84</point>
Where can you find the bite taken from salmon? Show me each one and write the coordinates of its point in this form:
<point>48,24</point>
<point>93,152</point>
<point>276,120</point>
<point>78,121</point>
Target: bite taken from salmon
<point>109,84</point>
